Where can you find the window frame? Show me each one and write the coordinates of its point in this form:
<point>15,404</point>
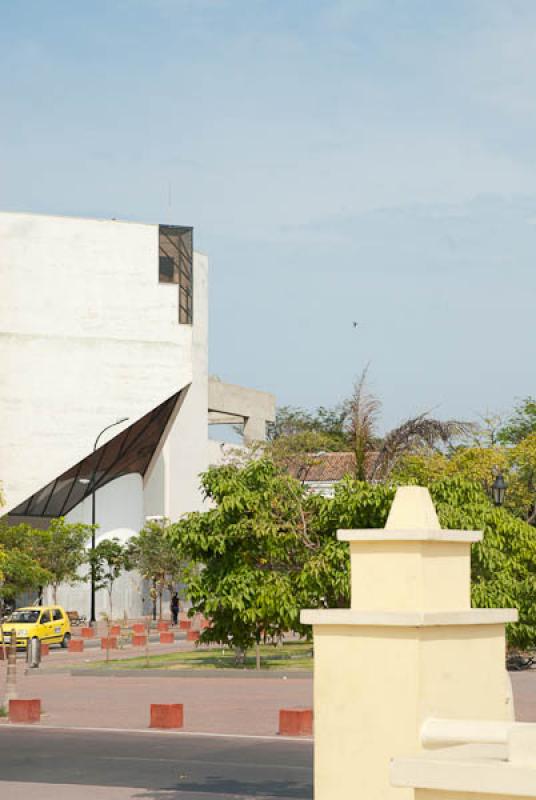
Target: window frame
<point>175,244</point>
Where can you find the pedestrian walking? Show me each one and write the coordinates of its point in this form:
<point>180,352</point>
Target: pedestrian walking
<point>175,608</point>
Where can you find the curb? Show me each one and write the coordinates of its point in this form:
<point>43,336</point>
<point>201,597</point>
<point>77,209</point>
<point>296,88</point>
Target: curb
<point>154,638</point>
<point>156,732</point>
<point>251,674</point>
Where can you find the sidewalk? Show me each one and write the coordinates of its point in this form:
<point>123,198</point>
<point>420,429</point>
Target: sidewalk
<point>56,791</point>
<point>237,705</point>
<point>220,705</point>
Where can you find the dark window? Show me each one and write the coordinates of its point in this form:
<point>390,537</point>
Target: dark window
<point>45,617</point>
<point>176,252</point>
<point>56,614</point>
<point>23,616</point>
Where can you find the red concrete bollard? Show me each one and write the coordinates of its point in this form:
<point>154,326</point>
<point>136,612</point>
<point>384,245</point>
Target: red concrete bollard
<point>24,710</point>
<point>76,646</point>
<point>138,627</point>
<point>192,636</point>
<point>139,640</point>
<point>185,624</point>
<point>295,721</point>
<point>87,633</point>
<point>167,715</point>
<point>45,649</point>
<point>167,637</point>
<point>162,626</point>
<point>115,630</point>
<point>108,643</point>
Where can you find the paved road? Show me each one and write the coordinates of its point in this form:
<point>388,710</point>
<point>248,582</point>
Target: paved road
<point>183,767</point>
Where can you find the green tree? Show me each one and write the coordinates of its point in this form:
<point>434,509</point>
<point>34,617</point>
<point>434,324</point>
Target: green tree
<point>504,563</point>
<point>23,570</point>
<point>107,561</point>
<point>521,423</point>
<point>59,550</point>
<point>480,464</point>
<point>268,549</point>
<point>158,559</point>
<point>326,422</point>
<point>521,494</point>
<point>63,552</point>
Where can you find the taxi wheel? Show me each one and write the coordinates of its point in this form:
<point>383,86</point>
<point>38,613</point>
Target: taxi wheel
<point>65,640</point>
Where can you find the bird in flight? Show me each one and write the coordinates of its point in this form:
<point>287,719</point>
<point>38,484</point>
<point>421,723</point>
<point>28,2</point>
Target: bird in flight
<point>355,324</point>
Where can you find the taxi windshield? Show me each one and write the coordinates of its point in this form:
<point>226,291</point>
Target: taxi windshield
<point>27,616</point>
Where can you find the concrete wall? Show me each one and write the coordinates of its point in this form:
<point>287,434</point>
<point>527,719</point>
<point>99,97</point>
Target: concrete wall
<point>88,335</point>
<point>186,448</point>
<point>239,403</point>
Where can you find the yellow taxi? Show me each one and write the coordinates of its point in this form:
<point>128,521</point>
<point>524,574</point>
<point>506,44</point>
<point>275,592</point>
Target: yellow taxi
<point>50,624</point>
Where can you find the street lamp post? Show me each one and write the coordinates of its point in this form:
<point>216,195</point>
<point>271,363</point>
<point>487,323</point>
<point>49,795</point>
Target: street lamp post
<point>92,618</point>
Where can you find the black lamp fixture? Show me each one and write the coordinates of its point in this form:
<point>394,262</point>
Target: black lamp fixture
<point>498,489</point>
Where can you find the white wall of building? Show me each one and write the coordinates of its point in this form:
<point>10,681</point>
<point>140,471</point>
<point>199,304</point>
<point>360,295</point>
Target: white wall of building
<point>88,335</point>
<point>119,514</point>
<point>187,443</point>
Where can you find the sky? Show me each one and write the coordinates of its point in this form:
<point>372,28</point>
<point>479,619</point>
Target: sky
<point>340,161</point>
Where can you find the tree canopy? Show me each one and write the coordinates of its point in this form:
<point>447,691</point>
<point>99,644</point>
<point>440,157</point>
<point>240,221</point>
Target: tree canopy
<point>35,558</point>
<point>152,553</point>
<point>263,556</point>
<point>520,424</point>
<point>107,561</point>
<point>269,549</point>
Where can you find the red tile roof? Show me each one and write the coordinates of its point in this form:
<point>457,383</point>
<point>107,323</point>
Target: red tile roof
<point>325,467</point>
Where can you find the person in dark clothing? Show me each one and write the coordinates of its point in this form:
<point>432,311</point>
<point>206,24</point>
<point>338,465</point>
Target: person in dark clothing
<point>175,608</point>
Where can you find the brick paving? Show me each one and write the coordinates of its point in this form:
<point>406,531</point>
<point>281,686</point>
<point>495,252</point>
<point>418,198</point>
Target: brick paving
<point>234,705</point>
<point>215,705</point>
<point>219,705</point>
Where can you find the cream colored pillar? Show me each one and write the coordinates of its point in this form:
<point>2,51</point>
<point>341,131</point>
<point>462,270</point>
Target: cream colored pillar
<point>409,648</point>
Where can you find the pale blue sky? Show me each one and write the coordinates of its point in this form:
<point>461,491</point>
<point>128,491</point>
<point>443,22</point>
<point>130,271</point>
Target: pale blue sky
<point>343,160</point>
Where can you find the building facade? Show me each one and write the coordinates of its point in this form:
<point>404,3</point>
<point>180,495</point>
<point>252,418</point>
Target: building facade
<point>102,321</point>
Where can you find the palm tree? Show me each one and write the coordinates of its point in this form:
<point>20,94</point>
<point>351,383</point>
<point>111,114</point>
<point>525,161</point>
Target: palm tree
<point>375,456</point>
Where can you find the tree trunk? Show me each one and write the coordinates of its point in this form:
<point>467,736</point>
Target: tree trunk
<point>257,655</point>
<point>54,594</point>
<point>240,656</point>
<point>4,647</point>
<point>108,626</point>
<point>147,631</point>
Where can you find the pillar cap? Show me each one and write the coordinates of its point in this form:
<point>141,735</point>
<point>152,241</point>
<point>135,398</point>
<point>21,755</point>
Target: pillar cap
<point>415,535</point>
<point>412,509</point>
<point>407,619</point>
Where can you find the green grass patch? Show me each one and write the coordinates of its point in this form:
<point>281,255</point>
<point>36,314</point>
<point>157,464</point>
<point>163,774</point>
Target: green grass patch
<point>289,656</point>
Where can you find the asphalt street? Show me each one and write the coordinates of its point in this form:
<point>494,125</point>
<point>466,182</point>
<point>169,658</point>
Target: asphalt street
<point>191,767</point>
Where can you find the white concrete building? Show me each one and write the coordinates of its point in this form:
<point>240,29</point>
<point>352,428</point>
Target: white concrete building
<point>103,320</point>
